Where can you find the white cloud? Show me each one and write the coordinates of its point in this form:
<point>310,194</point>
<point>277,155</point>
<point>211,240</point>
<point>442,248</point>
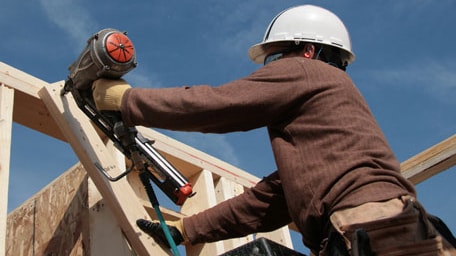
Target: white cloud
<point>437,78</point>
<point>137,78</point>
<point>240,29</point>
<point>70,17</point>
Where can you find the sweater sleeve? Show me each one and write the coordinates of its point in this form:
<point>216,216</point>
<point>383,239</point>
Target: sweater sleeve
<point>266,96</point>
<point>261,208</point>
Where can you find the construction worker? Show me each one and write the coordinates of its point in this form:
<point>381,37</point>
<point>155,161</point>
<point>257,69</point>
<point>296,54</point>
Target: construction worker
<point>337,178</point>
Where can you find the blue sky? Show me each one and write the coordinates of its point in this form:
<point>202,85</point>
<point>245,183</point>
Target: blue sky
<point>405,68</point>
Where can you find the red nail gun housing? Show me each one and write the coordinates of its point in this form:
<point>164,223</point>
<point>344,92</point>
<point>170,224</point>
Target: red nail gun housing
<point>110,54</point>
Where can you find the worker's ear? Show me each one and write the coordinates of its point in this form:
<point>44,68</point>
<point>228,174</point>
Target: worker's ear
<point>309,51</point>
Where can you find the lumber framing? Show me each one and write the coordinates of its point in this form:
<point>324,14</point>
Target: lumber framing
<point>91,151</point>
<point>29,109</point>
<point>6,120</point>
<point>81,213</point>
<point>431,161</point>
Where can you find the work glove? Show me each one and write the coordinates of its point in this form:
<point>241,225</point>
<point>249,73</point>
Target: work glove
<point>107,93</point>
<point>154,229</point>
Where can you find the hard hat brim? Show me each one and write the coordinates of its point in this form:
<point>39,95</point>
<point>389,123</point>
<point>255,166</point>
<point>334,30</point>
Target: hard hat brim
<point>258,52</point>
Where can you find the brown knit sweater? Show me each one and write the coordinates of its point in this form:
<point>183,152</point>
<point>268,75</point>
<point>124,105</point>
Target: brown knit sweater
<point>329,150</point>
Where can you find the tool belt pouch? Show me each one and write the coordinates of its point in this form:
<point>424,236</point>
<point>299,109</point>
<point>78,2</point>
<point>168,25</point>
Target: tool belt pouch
<point>408,233</point>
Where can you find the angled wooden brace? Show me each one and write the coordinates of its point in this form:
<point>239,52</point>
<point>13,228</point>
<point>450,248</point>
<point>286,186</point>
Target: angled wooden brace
<point>92,152</point>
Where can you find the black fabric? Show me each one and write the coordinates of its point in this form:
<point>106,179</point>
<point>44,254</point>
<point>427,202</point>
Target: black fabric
<point>336,245</point>
<point>442,228</point>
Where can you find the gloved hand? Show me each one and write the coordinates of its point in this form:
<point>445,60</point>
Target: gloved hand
<point>107,93</point>
<point>154,229</point>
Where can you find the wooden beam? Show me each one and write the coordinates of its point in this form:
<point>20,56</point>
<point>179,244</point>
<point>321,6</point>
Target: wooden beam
<point>20,80</point>
<point>203,182</point>
<point>92,152</point>
<point>32,113</point>
<point>431,161</point>
<point>224,190</point>
<point>104,230</point>
<point>6,122</point>
<point>29,109</point>
<point>106,237</point>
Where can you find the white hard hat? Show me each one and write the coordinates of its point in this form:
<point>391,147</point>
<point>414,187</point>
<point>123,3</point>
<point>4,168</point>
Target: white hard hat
<point>305,23</point>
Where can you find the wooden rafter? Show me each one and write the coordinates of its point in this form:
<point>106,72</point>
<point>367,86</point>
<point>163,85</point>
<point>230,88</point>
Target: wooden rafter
<point>431,161</point>
<point>92,152</point>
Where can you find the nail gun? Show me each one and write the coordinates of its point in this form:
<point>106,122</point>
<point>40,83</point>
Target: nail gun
<point>110,54</point>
